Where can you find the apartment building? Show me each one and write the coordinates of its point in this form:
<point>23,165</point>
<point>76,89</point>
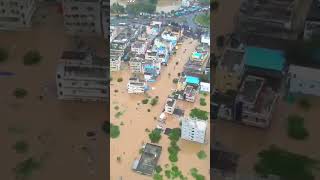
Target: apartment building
<point>16,14</point>
<point>82,16</point>
<point>115,62</point>
<point>193,129</point>
<point>255,102</point>
<point>229,70</point>
<point>170,105</point>
<point>136,65</point>
<point>273,18</point>
<point>105,14</point>
<point>136,85</point>
<point>82,76</point>
<point>312,24</point>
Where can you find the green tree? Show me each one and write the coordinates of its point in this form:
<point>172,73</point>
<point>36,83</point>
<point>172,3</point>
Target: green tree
<point>117,8</point>
<point>20,93</point>
<point>21,147</point>
<point>114,131</point>
<point>3,54</point>
<point>198,113</point>
<point>32,57</point>
<point>155,135</point>
<point>202,155</point>
<point>26,168</point>
<point>296,127</point>
<point>175,134</point>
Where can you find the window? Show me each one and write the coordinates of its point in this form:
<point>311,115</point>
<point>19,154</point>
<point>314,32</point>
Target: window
<point>312,86</point>
<point>61,93</point>
<point>90,8</point>
<point>59,84</point>
<point>74,8</point>
<point>58,76</point>
<point>301,85</point>
<point>294,75</point>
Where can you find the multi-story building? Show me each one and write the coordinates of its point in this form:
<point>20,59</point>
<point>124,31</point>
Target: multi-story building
<point>139,47</point>
<point>273,18</point>
<point>137,85</point>
<point>170,105</point>
<point>115,62</point>
<point>229,70</point>
<point>312,24</point>
<point>82,76</point>
<point>16,14</point>
<point>136,65</point>
<point>105,15</point>
<point>82,16</point>
<point>193,129</point>
<point>255,102</point>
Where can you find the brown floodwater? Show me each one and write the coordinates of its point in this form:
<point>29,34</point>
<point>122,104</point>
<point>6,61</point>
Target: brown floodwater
<point>136,119</point>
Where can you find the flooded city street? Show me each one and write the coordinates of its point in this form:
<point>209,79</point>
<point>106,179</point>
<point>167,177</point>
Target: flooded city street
<point>136,119</point>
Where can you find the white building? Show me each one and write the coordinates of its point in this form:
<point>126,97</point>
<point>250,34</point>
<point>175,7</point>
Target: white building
<point>193,129</point>
<point>115,63</point>
<point>136,85</point>
<point>136,65</point>
<point>185,3</point>
<point>139,47</point>
<point>304,80</point>
<point>82,76</point>
<point>205,38</point>
<point>170,105</point>
<point>16,14</point>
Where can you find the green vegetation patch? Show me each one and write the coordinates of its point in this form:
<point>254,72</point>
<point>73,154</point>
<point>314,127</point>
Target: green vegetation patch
<point>154,101</point>
<point>114,131</point>
<point>198,113</point>
<point>175,80</point>
<point>20,93</point>
<point>4,54</point>
<point>31,58</point>
<point>155,135</point>
<point>26,168</point>
<point>286,165</point>
<point>119,114</point>
<point>145,101</point>
<point>157,176</point>
<point>21,147</point>
<point>117,8</point>
<point>194,173</point>
<point>174,149</point>
<point>203,102</point>
<point>296,128</point>
<point>142,6</point>
<point>203,19</point>
<point>202,155</point>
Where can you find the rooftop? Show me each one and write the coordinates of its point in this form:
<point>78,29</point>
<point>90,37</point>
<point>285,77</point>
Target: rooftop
<point>264,58</point>
<point>232,60</point>
<point>170,102</point>
<point>149,159</point>
<point>314,11</point>
<point>198,124</point>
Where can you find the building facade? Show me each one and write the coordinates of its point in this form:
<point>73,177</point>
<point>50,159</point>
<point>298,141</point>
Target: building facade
<point>16,14</point>
<point>82,16</point>
<point>193,129</point>
<point>82,76</point>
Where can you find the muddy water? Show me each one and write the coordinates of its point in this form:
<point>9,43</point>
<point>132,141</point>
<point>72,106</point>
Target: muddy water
<point>163,5</point>
<point>61,126</point>
<point>136,119</point>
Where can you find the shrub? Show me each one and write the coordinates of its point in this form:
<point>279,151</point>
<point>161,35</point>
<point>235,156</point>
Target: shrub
<point>116,90</point>
<point>120,79</point>
<point>173,157</point>
<point>154,101</point>
<point>202,155</point>
<point>148,110</point>
<point>118,114</point>
<point>155,135</point>
<point>157,177</point>
<point>175,134</point>
<point>21,147</point>
<point>32,57</point>
<point>3,54</point>
<point>158,169</point>
<point>118,158</point>
<point>145,101</point>
<point>198,113</point>
<point>175,80</point>
<point>114,131</point>
<point>116,107</point>
<point>26,168</point>
<point>20,93</point>
<point>203,102</point>
<point>194,174</point>
<point>286,165</point>
<point>296,129</point>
